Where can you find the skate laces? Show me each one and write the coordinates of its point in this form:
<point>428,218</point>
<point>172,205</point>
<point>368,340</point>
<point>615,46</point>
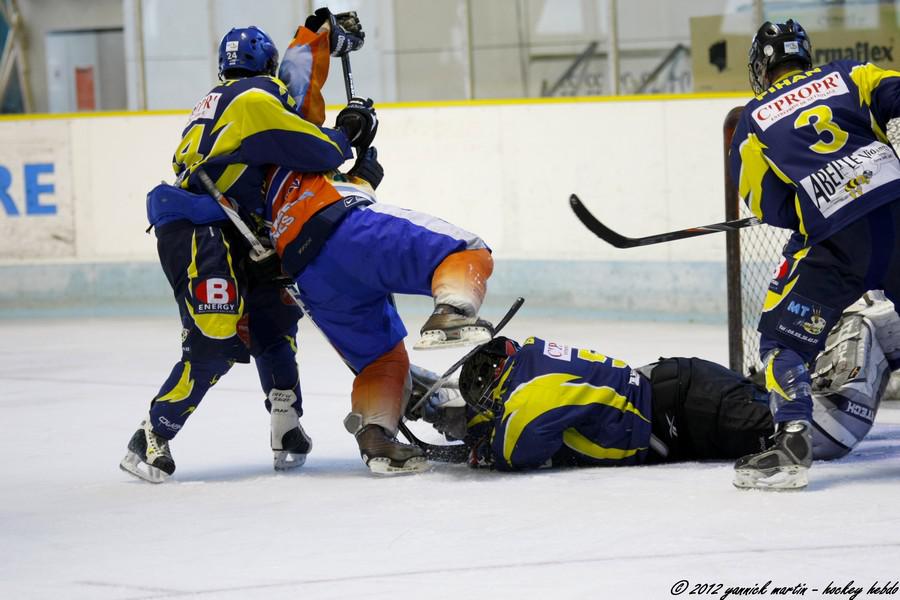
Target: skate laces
<point>156,445</point>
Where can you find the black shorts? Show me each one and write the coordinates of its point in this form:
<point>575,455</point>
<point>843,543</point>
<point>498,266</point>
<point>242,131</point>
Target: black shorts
<point>703,411</point>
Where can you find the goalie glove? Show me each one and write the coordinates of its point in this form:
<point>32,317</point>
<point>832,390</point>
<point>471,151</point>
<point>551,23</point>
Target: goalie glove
<point>345,30</point>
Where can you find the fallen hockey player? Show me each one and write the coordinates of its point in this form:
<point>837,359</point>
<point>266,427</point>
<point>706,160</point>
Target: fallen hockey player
<point>545,404</point>
<point>348,254</point>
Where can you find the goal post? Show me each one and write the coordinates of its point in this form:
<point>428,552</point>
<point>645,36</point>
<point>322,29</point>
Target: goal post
<point>751,256</point>
<point>732,251</point>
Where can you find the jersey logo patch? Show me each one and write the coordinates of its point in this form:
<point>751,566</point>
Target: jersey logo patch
<point>216,295</point>
<point>804,320</point>
<point>799,97</point>
<point>847,178</point>
<point>558,351</point>
<point>206,108</point>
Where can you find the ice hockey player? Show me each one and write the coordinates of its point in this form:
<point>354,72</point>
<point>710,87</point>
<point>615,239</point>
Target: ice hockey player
<point>810,154</point>
<point>348,254</point>
<point>544,404</point>
<point>230,306</point>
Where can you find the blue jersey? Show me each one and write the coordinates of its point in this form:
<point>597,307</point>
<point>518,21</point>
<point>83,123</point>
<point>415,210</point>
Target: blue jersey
<point>244,126</point>
<point>567,403</point>
<point>810,153</point>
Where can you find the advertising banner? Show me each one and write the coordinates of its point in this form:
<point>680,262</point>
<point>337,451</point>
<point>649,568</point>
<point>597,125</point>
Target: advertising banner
<point>719,44</point>
<point>36,212</point>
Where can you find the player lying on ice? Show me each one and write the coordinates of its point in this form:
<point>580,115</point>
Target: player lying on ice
<point>348,254</point>
<point>545,404</point>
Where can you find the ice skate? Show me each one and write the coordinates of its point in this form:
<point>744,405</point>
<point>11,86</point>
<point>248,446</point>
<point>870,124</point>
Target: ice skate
<point>784,466</point>
<point>384,455</point>
<point>290,444</point>
<point>448,327</point>
<point>148,456</point>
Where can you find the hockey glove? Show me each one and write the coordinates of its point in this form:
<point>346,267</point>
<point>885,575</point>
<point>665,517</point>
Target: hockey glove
<point>267,269</point>
<point>480,456</point>
<point>368,168</point>
<point>346,34</point>
<point>359,122</point>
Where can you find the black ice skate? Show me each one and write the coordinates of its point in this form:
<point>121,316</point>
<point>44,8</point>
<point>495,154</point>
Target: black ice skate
<point>290,444</point>
<point>148,456</point>
<point>448,327</point>
<point>384,455</point>
<point>784,466</point>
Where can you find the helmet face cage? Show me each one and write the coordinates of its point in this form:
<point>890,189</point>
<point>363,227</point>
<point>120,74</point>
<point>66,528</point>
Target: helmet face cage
<point>481,373</point>
<point>248,49</point>
<point>775,44</point>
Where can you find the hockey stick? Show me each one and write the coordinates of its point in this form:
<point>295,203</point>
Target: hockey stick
<point>449,453</point>
<point>620,241</point>
<point>348,77</point>
<point>516,305</point>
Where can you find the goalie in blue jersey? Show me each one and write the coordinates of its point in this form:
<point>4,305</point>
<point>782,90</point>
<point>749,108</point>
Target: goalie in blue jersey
<point>543,404</point>
<point>811,154</point>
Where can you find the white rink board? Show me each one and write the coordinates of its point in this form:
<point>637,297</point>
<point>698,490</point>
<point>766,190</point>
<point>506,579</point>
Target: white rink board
<point>504,171</point>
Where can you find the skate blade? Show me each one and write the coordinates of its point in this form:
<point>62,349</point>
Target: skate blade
<point>468,336</point>
<point>383,466</point>
<point>285,461</point>
<point>133,465</point>
<point>787,478</point>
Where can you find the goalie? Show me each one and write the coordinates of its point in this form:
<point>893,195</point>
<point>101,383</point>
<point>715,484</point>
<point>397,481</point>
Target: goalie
<point>545,404</point>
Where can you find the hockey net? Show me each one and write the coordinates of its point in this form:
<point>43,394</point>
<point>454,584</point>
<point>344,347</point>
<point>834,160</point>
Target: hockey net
<point>752,254</point>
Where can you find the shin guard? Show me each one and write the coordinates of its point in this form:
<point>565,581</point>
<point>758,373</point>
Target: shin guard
<point>381,389</point>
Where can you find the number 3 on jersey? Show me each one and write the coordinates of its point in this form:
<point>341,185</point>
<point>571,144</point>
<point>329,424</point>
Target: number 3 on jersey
<point>820,117</point>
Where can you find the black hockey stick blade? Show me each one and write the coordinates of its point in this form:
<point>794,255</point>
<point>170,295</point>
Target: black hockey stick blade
<point>449,453</point>
<point>620,241</point>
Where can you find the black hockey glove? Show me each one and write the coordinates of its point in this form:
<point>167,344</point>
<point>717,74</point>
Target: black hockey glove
<point>480,456</point>
<point>359,122</point>
<point>367,167</point>
<point>267,269</point>
<point>346,30</point>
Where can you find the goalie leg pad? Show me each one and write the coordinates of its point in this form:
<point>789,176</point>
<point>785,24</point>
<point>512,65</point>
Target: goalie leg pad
<point>849,380</point>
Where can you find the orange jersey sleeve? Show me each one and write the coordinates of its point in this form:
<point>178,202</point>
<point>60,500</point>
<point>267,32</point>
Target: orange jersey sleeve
<point>304,70</point>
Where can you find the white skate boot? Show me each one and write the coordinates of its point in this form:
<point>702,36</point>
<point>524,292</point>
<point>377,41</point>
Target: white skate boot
<point>290,444</point>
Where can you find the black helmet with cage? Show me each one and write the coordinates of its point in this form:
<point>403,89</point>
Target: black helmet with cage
<point>777,45</point>
<point>481,373</point>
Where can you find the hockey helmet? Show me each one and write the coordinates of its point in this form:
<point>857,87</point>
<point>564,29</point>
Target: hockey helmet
<point>249,51</point>
<point>481,372</point>
<point>776,44</point>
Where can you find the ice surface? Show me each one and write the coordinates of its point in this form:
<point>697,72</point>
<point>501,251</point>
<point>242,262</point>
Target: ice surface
<point>72,526</point>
